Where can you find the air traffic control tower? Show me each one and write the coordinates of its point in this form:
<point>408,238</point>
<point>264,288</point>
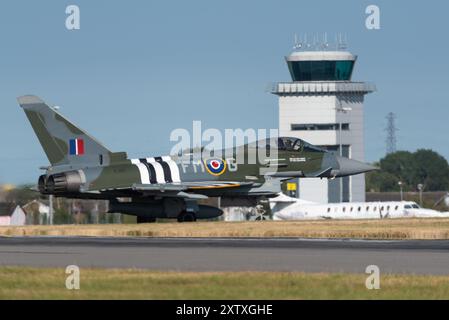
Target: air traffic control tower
<point>323,106</point>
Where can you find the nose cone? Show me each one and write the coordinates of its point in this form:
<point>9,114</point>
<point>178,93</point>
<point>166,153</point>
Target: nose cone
<point>349,167</point>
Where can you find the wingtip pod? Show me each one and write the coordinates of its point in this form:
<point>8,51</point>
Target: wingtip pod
<point>29,99</point>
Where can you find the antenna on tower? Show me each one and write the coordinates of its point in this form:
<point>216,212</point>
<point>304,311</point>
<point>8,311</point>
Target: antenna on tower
<point>298,43</point>
<point>341,43</point>
<point>325,44</point>
<point>345,42</point>
<point>391,133</point>
<point>305,41</point>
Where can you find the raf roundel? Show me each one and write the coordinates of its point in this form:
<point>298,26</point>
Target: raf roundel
<point>215,166</point>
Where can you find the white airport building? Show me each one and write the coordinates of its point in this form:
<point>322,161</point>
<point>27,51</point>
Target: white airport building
<point>323,106</point>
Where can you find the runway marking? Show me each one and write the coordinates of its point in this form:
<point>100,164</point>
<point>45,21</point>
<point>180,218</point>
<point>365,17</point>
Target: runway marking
<point>40,252</point>
<point>229,254</point>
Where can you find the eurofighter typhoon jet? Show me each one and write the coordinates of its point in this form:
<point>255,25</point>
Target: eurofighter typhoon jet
<point>170,186</point>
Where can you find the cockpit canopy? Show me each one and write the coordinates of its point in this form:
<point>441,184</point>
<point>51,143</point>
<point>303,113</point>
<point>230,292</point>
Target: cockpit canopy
<point>286,144</point>
<point>279,144</point>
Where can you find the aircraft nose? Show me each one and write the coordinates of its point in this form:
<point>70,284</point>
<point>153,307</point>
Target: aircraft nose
<point>349,167</point>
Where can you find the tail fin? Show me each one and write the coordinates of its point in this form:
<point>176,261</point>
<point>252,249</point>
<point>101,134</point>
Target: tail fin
<point>63,142</point>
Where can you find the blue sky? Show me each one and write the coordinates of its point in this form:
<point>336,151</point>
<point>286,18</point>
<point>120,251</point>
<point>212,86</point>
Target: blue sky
<point>139,69</point>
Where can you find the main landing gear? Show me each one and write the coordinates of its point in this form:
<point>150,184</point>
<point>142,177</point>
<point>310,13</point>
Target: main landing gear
<point>186,216</point>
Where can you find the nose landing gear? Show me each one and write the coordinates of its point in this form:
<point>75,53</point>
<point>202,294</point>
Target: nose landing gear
<point>260,213</point>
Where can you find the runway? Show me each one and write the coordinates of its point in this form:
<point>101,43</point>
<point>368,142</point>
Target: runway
<point>199,254</point>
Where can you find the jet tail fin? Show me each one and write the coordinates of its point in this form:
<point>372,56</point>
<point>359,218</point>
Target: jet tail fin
<point>63,142</point>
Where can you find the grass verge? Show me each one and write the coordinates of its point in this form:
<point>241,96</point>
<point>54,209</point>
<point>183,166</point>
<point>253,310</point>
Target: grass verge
<point>437,228</point>
<point>36,283</point>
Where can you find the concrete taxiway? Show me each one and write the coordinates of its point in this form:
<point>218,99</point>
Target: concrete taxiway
<point>200,254</point>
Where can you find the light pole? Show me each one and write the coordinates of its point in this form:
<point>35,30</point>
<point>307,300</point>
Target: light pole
<point>51,211</point>
<point>343,110</point>
<point>400,187</point>
<point>420,188</point>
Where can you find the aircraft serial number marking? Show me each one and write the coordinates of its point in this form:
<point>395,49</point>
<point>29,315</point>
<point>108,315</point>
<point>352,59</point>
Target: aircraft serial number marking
<point>298,159</point>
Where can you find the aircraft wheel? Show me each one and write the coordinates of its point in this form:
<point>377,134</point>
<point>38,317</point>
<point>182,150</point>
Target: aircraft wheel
<point>186,217</point>
<point>145,220</point>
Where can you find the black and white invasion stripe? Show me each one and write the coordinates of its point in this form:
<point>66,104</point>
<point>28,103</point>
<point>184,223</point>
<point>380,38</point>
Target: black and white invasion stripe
<point>157,170</point>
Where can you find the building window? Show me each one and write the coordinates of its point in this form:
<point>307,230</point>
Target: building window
<point>319,127</point>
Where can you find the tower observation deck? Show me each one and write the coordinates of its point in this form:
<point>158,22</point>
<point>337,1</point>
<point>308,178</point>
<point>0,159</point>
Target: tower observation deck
<point>321,65</point>
<point>322,105</point>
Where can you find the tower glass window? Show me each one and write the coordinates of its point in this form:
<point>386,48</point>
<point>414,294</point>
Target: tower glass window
<point>321,70</point>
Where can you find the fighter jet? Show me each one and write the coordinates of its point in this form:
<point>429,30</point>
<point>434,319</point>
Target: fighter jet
<point>171,186</point>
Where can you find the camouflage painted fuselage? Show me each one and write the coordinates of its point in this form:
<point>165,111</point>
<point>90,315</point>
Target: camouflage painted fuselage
<point>169,186</point>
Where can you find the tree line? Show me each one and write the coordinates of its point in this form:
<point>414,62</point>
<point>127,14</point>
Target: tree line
<point>424,167</point>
